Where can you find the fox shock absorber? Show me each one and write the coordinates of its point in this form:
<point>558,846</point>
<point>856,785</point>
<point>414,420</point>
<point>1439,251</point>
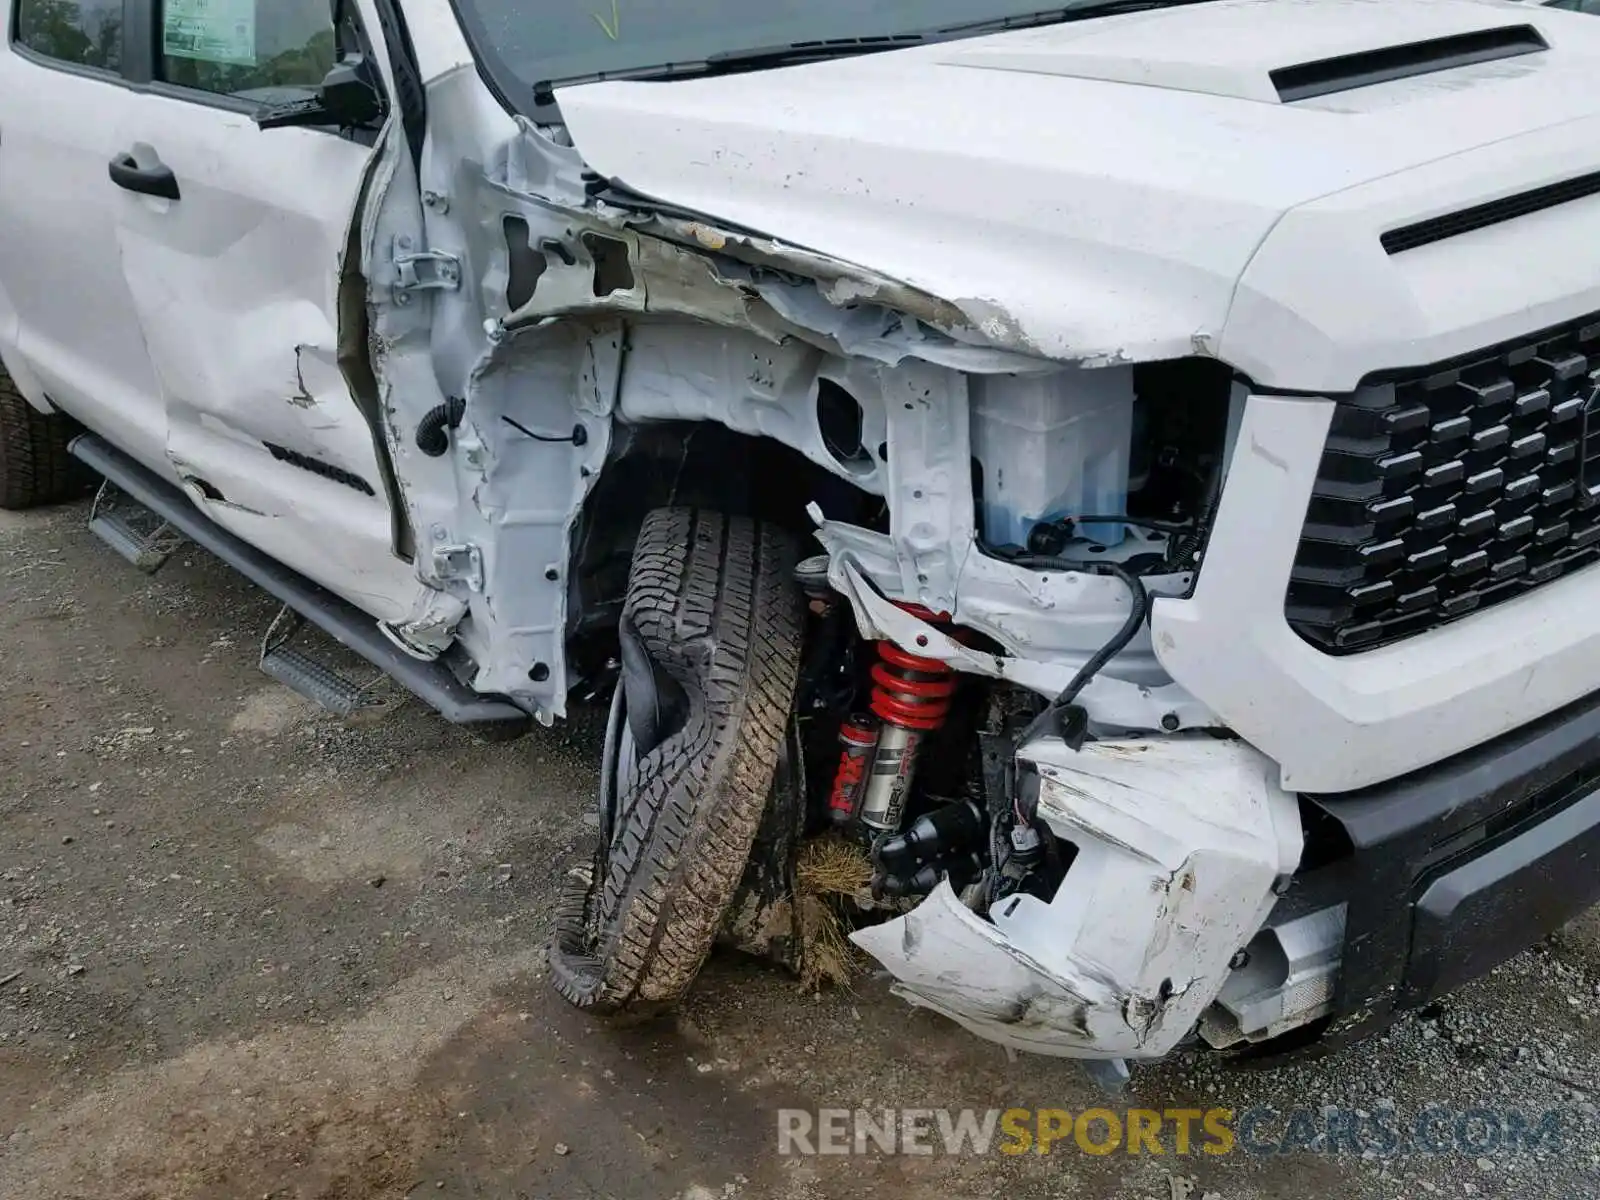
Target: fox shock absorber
<point>858,742</point>
<point>911,697</point>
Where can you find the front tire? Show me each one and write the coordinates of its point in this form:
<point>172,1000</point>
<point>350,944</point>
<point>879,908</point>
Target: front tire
<point>711,634</point>
<point>35,467</point>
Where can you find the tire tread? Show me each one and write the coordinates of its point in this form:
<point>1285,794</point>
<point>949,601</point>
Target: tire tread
<point>712,599</point>
<point>35,466</point>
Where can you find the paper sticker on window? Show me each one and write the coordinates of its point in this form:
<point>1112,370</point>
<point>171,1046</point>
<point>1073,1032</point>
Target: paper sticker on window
<point>213,31</point>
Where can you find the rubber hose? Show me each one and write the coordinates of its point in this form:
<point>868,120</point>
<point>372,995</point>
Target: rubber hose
<point>433,431</point>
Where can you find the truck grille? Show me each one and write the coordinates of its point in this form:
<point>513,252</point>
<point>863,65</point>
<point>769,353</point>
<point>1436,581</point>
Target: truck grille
<point>1445,491</point>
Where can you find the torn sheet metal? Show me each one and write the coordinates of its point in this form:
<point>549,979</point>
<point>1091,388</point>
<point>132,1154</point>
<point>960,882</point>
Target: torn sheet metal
<point>1180,841</point>
<point>877,320</point>
<point>1113,704</point>
<point>849,315</point>
<point>527,481</point>
<point>731,278</point>
<point>430,627</point>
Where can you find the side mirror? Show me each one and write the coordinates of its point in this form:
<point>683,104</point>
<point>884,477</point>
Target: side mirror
<point>348,98</point>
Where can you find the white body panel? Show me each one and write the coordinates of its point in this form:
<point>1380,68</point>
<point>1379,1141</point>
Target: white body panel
<point>236,290</point>
<point>1102,221</point>
<point>1179,845</point>
<point>1338,723</point>
<point>194,333</point>
<point>72,332</point>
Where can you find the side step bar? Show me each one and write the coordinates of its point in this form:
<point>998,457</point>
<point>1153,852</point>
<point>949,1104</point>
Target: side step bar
<point>307,674</point>
<point>431,682</point>
<point>132,530</point>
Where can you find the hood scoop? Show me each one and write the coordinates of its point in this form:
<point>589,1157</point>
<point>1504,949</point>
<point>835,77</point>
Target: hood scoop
<point>1265,50</point>
<point>1350,71</point>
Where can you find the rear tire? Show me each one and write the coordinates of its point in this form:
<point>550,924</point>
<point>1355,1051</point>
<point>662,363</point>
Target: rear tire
<point>35,467</point>
<point>711,633</point>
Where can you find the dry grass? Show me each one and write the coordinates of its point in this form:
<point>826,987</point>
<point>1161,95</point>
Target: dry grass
<point>832,866</point>
<point>832,873</point>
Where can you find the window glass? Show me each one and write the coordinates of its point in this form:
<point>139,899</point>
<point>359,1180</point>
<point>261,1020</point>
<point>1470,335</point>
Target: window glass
<point>252,49</point>
<point>88,32</point>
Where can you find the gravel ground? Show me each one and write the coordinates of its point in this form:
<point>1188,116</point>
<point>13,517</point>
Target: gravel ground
<point>247,950</point>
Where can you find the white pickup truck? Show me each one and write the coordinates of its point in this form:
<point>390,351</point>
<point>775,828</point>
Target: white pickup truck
<point>1132,470</point>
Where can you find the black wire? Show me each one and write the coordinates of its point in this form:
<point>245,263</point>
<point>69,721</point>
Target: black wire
<point>1136,522</point>
<point>1137,612</point>
<point>577,437</point>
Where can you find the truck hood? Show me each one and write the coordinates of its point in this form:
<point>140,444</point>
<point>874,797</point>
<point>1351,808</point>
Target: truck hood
<point>1097,191</point>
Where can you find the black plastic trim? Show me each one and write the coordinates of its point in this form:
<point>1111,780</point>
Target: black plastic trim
<point>432,682</point>
<point>1452,869</point>
<point>317,466</point>
<point>1422,513</point>
<point>411,97</point>
<point>1467,917</point>
<point>1328,76</point>
<point>140,37</point>
<point>1494,212</point>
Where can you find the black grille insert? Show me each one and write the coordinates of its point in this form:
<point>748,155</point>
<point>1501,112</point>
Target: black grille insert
<point>1448,490</point>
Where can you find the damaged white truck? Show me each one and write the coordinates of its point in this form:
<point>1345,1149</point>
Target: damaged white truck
<point>1132,470</point>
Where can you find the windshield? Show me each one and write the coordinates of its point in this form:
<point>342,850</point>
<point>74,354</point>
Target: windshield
<point>524,43</point>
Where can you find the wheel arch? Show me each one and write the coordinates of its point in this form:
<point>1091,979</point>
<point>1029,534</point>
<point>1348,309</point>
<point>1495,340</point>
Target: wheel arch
<point>703,464</point>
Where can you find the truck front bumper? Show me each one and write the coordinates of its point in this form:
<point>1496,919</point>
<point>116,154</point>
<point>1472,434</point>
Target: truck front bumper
<point>1445,873</point>
<point>1182,844</point>
<point>1203,896</point>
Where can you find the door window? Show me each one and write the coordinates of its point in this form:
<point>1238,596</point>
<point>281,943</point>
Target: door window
<point>85,32</point>
<point>248,49</point>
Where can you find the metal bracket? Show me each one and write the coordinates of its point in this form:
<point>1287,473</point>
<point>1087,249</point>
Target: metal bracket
<point>459,564</point>
<point>423,270</point>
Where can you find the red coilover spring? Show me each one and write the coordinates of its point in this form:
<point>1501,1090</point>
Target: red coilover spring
<point>911,691</point>
<point>911,696</point>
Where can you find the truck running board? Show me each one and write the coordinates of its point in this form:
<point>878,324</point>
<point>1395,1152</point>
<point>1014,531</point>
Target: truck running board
<point>142,537</point>
<point>303,672</point>
<point>434,683</point>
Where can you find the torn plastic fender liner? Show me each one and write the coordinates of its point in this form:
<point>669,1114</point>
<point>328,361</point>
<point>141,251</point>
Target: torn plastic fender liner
<point>1180,841</point>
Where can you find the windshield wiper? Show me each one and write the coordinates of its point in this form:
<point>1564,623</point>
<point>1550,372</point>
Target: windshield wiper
<point>729,62</point>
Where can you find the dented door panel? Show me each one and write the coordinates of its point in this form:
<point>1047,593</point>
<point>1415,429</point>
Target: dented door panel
<point>236,288</point>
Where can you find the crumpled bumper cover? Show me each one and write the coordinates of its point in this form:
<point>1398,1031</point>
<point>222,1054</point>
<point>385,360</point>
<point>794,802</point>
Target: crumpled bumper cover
<point>1180,842</point>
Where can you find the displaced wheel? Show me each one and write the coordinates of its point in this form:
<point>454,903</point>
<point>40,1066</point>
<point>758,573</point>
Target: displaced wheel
<point>710,634</point>
<point>35,467</point>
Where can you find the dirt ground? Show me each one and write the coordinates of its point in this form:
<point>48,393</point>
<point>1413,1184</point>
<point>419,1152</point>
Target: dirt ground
<point>247,950</point>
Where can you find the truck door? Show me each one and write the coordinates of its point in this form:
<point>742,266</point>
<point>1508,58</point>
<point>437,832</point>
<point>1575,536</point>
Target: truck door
<point>237,265</point>
<point>68,327</point>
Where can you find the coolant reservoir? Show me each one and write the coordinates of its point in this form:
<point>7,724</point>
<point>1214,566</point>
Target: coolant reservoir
<point>1052,446</point>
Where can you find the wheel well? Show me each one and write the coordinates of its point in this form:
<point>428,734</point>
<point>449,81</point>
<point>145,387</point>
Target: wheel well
<point>698,464</point>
